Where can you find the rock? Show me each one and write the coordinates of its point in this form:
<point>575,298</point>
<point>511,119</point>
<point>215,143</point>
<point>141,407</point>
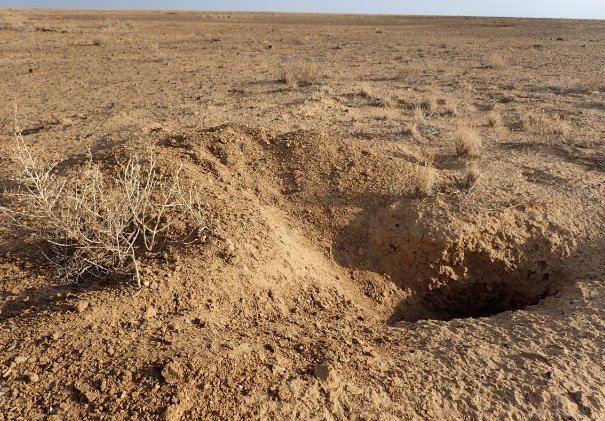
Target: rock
<point>324,372</point>
<point>20,359</point>
<point>151,312</point>
<point>33,378</point>
<point>81,306</point>
<point>535,398</point>
<point>56,336</point>
<point>173,372</point>
<point>578,396</point>
<point>66,121</point>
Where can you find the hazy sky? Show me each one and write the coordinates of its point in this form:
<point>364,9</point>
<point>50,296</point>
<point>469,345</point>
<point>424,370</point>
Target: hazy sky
<point>591,9</point>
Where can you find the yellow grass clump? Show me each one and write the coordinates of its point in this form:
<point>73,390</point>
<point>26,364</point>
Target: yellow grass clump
<point>467,141</point>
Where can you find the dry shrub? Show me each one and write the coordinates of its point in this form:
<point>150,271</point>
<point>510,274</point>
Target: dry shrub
<point>467,141</point>
<point>418,115</point>
<point>424,179</point>
<point>550,126</point>
<point>494,119</point>
<point>98,222</point>
<point>410,73</point>
<point>429,104</point>
<point>496,61</point>
<point>451,108</point>
<point>471,175</point>
<point>412,131</point>
<point>365,92</point>
<point>302,74</point>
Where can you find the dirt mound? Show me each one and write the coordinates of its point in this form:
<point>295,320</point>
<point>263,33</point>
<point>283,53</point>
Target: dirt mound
<point>469,265</point>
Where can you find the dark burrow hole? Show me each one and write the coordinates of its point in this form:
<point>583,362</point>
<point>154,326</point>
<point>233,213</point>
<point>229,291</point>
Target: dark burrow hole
<point>479,299</point>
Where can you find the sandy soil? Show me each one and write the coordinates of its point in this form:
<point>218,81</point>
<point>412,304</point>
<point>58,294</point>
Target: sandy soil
<point>335,290</point>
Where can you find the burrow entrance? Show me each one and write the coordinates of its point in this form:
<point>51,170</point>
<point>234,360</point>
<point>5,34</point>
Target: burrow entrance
<point>460,265</point>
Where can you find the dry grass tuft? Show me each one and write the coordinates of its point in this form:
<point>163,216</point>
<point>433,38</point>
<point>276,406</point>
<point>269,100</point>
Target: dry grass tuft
<point>547,125</point>
<point>98,222</point>
<point>424,179</point>
<point>496,61</point>
<point>412,131</point>
<point>451,108</point>
<point>467,141</point>
<point>418,115</point>
<point>429,104</point>
<point>410,73</point>
<point>471,175</point>
<point>494,119</point>
<point>302,74</point>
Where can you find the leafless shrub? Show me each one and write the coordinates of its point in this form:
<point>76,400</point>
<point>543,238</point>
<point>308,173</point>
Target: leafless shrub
<point>98,222</point>
<point>467,141</point>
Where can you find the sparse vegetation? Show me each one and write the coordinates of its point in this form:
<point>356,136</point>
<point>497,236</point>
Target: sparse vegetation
<point>467,141</point>
<point>429,104</point>
<point>494,119</point>
<point>96,221</point>
<point>548,125</point>
<point>471,175</point>
<point>496,61</point>
<point>424,179</point>
<point>302,74</point>
<point>418,115</point>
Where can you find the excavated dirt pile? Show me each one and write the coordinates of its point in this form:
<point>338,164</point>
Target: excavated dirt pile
<point>469,265</point>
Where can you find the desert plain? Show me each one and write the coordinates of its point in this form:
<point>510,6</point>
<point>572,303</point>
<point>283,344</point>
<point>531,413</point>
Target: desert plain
<point>405,217</point>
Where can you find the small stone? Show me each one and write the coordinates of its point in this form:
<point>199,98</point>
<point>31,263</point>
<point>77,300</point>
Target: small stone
<point>111,351</point>
<point>56,336</point>
<point>20,359</point>
<point>65,121</point>
<point>430,413</point>
<point>173,372</point>
<point>361,252</point>
<point>81,306</point>
<point>151,312</point>
<point>578,396</point>
<point>535,398</point>
<point>33,378</point>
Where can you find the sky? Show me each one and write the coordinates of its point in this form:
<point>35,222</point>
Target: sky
<point>584,9</point>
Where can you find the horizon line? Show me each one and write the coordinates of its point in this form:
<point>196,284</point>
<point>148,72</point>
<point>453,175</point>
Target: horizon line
<point>100,9</point>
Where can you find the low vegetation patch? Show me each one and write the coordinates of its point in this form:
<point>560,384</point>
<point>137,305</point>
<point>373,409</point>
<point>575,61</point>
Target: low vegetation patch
<point>467,141</point>
<point>97,220</point>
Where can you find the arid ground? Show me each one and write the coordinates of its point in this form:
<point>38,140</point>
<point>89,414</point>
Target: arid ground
<point>407,217</point>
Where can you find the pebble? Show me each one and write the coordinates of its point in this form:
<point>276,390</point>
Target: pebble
<point>151,312</point>
<point>20,359</point>
<point>81,306</point>
<point>173,372</point>
<point>33,378</point>
<point>578,396</point>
